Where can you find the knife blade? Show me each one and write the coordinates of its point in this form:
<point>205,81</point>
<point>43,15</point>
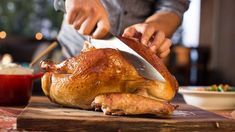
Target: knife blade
<point>143,67</point>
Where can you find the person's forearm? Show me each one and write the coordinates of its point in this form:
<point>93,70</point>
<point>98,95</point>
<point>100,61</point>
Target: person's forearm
<point>166,21</point>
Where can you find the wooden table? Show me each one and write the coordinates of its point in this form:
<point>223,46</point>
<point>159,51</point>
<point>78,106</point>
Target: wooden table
<point>8,115</point>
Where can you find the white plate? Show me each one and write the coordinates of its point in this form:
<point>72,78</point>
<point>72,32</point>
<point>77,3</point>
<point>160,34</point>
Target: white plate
<point>209,100</point>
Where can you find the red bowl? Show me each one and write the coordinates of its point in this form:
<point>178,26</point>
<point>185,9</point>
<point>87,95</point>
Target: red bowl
<point>16,89</point>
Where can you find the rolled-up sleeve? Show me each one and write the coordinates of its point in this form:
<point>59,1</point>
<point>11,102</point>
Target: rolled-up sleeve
<point>177,6</point>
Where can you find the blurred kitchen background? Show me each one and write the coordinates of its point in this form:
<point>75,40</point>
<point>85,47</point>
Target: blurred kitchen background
<point>203,51</point>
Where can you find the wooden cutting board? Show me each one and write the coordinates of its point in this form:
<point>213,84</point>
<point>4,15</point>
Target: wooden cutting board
<point>46,116</point>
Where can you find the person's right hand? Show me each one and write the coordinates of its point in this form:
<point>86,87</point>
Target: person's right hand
<point>89,17</point>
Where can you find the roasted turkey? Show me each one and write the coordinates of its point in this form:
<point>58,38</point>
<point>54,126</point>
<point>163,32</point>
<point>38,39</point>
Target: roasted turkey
<point>104,79</point>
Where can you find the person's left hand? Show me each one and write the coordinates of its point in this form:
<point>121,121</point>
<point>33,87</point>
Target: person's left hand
<point>150,36</point>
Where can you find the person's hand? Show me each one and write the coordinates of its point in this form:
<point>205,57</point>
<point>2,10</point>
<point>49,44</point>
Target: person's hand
<point>151,36</point>
<point>89,17</point>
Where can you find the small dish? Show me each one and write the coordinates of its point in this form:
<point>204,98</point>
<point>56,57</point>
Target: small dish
<point>16,89</point>
<point>16,83</point>
<point>209,100</point>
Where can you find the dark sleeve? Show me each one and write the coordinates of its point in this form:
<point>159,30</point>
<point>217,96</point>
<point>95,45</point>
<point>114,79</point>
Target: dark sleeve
<point>59,5</point>
<point>177,6</point>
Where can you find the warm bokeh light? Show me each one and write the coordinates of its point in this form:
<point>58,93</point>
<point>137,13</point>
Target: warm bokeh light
<point>38,36</point>
<point>6,59</point>
<point>3,35</point>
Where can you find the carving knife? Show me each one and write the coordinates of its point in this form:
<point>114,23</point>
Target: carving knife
<point>143,67</point>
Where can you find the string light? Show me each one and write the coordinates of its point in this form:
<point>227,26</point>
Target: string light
<point>38,36</point>
<point>3,35</point>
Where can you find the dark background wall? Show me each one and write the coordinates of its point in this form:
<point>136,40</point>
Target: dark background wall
<point>218,32</point>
